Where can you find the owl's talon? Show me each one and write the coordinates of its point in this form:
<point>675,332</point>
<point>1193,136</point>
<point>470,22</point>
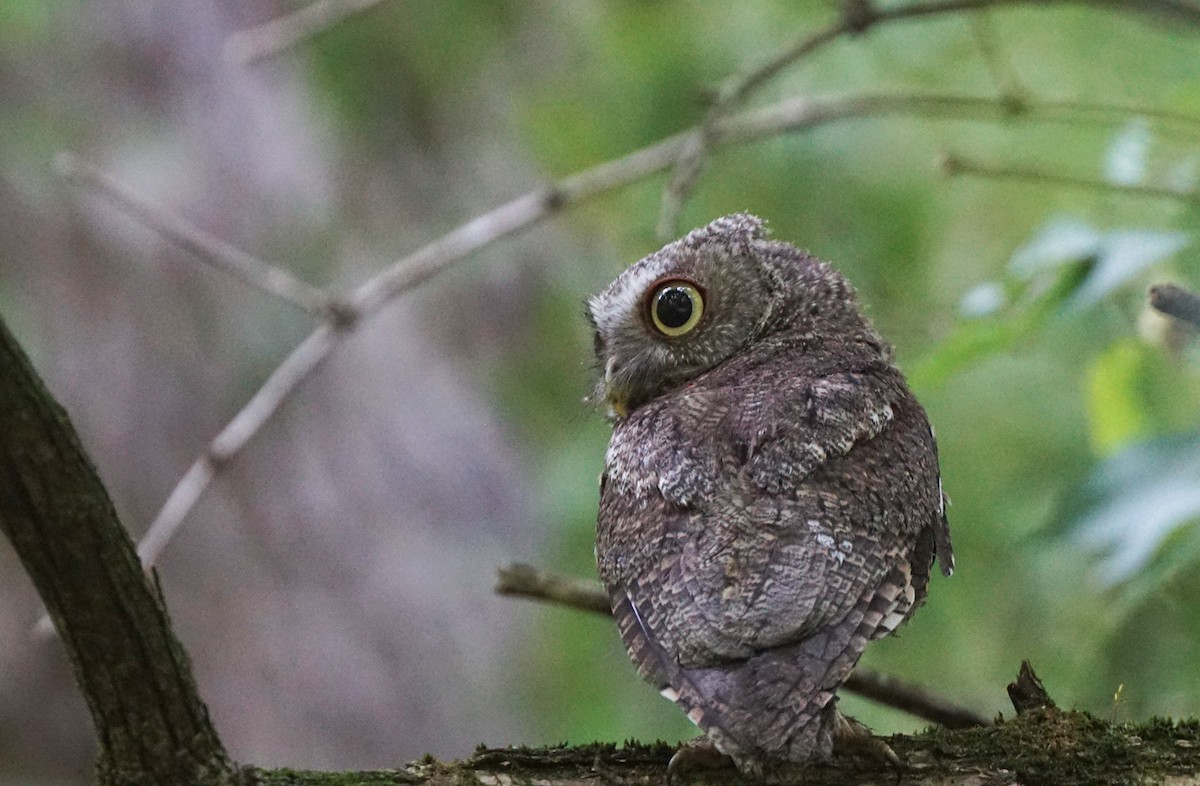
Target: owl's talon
<point>695,754</point>
<point>853,737</point>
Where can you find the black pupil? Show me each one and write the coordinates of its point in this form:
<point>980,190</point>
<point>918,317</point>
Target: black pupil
<point>673,307</point>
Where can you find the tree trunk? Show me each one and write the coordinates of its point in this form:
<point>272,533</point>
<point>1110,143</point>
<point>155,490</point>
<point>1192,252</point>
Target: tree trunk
<point>152,727</point>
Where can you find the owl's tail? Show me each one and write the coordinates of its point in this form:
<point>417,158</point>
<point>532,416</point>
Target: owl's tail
<point>781,703</point>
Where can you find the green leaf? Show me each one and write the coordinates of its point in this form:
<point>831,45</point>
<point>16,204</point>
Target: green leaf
<point>1122,256</point>
<point>1061,241</point>
<point>975,339</point>
<point>1116,410</point>
<point>1125,163</point>
<point>1133,502</point>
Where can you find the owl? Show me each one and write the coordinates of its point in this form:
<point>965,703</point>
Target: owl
<point>771,499</point>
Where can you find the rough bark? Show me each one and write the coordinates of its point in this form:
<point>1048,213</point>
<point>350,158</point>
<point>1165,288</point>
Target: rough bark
<point>1045,747</point>
<point>133,672</point>
<point>153,728</point>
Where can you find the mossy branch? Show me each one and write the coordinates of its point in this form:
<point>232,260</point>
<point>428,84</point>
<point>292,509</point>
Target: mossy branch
<point>1044,747</point>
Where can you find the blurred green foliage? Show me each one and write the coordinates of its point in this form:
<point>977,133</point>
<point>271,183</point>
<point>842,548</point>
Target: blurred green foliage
<point>1014,306</point>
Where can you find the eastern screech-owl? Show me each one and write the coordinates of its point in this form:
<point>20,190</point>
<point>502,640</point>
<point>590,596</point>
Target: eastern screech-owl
<point>771,499</point>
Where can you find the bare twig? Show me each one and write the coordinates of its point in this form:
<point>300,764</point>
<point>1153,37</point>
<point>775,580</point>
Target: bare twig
<point>786,116</point>
<point>694,150</point>
<point>1177,302</point>
<point>997,61</point>
<point>295,368</point>
<point>586,595</point>
<point>526,581</point>
<point>913,699</point>
<point>953,164</point>
<point>216,252</point>
<point>270,38</point>
<point>857,16</point>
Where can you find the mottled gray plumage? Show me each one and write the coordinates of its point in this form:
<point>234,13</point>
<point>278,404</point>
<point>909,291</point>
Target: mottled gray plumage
<point>771,499</point>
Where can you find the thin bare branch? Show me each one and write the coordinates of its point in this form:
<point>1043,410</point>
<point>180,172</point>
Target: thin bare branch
<point>1177,302</point>
<point>857,16</point>
<point>248,269</point>
<point>248,46</point>
<point>694,150</point>
<point>298,366</point>
<point>913,699</point>
<point>787,116</point>
<point>526,581</point>
<point>458,243</point>
<point>998,63</point>
<point>953,164</point>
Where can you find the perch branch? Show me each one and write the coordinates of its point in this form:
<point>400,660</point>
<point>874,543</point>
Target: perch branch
<point>1177,302</point>
<point>248,46</point>
<point>792,115</point>
<point>857,17</point>
<point>526,581</point>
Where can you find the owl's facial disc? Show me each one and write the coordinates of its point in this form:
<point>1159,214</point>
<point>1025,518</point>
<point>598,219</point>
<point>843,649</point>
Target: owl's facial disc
<point>677,314</point>
<point>666,310</point>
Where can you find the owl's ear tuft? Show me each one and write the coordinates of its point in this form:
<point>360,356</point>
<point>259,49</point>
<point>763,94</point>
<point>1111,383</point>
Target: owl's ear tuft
<point>737,230</point>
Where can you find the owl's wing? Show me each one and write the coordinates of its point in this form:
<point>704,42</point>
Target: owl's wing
<point>838,486</point>
<point>796,434</point>
<point>779,436</point>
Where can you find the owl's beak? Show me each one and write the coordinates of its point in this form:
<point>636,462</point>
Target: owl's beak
<point>617,404</point>
<point>617,396</point>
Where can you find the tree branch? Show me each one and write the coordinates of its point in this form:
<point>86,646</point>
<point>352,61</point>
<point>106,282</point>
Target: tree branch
<point>248,46</point>
<point>1177,302</point>
<point>857,17</point>
<point>133,672</point>
<point>954,165</point>
<point>296,367</point>
<point>526,581</point>
<point>1038,746</point>
<point>520,580</point>
<point>787,116</point>
<point>250,270</point>
<point>1004,75</point>
<point>154,731</point>
<point>918,701</point>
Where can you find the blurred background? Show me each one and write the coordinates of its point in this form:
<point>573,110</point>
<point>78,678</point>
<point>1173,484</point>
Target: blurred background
<point>334,585</point>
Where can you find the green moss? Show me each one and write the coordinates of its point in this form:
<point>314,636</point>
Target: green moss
<point>1049,747</point>
<point>1057,747</point>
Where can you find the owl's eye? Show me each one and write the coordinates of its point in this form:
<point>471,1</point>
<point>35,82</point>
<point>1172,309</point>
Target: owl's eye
<point>675,307</point>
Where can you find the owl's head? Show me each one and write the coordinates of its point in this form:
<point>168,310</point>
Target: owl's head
<point>713,294</point>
